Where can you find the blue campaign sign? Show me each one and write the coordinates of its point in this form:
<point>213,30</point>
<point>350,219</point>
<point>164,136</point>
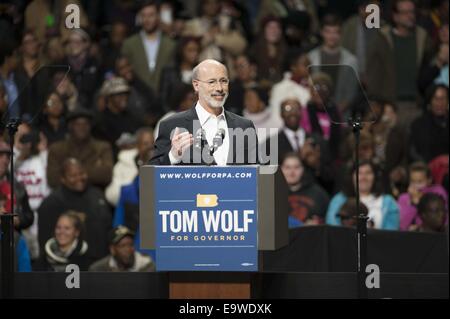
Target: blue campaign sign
<point>206,218</point>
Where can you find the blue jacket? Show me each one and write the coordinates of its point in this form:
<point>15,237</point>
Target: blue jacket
<point>294,222</point>
<point>389,210</point>
<point>22,254</point>
<point>129,194</point>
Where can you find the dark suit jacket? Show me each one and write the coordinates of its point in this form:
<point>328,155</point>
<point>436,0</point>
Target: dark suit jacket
<point>243,150</point>
<point>284,146</point>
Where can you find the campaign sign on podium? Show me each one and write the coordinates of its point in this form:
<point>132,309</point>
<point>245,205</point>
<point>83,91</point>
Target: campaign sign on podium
<point>206,218</point>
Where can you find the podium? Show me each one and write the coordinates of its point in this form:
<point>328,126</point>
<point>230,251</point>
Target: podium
<point>209,223</point>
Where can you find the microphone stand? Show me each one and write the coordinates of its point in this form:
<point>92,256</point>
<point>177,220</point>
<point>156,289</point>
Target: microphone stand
<point>7,221</point>
<point>217,142</point>
<point>211,151</point>
<point>361,226</point>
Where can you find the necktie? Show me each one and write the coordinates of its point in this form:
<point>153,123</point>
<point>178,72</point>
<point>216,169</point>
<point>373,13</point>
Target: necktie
<point>297,142</point>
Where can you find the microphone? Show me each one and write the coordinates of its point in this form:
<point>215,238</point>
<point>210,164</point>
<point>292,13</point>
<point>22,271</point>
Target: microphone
<point>200,136</point>
<point>217,140</point>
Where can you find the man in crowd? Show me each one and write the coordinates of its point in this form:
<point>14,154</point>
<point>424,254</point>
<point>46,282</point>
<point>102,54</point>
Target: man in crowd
<point>116,119</point>
<point>149,50</point>
<point>342,66</point>
<point>95,155</point>
<point>398,52</point>
<point>123,256</point>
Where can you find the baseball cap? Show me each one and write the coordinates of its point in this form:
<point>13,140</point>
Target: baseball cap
<point>115,86</point>
<point>118,233</point>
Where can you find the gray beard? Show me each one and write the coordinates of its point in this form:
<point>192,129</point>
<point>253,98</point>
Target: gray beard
<point>216,104</point>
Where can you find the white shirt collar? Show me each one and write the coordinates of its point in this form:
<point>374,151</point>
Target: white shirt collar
<point>300,133</point>
<point>204,115</point>
<point>292,133</point>
<point>144,37</point>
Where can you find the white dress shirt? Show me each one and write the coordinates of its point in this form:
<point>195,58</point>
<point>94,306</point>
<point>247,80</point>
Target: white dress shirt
<point>291,135</point>
<point>211,123</point>
<point>151,49</point>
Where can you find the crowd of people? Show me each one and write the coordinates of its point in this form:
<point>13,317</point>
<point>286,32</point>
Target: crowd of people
<point>293,66</point>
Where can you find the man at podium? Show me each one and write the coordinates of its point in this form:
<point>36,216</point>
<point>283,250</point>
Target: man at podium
<point>207,134</point>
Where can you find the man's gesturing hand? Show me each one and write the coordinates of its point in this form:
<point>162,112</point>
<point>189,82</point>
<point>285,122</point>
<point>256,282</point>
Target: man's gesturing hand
<point>180,143</point>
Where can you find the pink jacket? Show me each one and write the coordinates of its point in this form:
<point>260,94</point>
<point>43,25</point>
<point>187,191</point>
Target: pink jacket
<point>408,212</point>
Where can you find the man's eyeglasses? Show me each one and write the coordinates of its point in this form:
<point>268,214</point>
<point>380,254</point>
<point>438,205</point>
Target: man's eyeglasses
<point>213,82</point>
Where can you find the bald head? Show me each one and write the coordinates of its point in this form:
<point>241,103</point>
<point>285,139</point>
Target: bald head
<point>210,82</point>
<point>206,66</point>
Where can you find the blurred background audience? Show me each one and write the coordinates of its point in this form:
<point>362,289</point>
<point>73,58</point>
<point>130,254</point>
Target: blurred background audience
<point>85,134</point>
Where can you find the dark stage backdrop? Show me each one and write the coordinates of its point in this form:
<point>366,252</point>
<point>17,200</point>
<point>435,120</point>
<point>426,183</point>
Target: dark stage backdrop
<point>333,249</point>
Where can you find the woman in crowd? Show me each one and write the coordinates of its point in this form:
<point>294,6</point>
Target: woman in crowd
<point>308,201</point>
<point>321,112</point>
<point>53,124</point>
<point>270,50</point>
<point>246,77</point>
<point>383,210</point>
<point>174,76</point>
<point>420,183</point>
<point>67,246</point>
